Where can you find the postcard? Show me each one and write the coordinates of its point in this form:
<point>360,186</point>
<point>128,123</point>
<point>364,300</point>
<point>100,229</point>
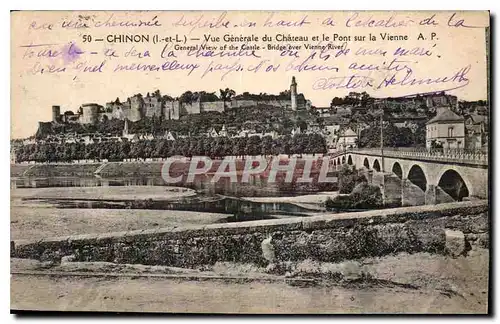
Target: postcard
<point>250,162</point>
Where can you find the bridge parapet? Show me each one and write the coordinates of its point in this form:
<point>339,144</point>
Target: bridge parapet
<point>460,156</point>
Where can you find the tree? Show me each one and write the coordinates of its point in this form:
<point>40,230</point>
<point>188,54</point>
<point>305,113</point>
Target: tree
<point>226,95</point>
<point>203,96</point>
<point>187,97</point>
<point>364,196</point>
<point>393,136</point>
<point>284,95</point>
<point>266,145</point>
<point>436,145</point>
<point>125,148</point>
<point>301,124</point>
<point>364,99</point>
<point>166,98</point>
<point>419,137</point>
<point>336,102</point>
<point>239,148</point>
<point>253,146</point>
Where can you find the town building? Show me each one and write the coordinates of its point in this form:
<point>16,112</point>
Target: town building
<point>476,129</point>
<point>169,136</point>
<point>347,139</point>
<point>446,130</point>
<point>13,158</point>
<point>212,132</point>
<point>223,131</point>
<point>295,131</point>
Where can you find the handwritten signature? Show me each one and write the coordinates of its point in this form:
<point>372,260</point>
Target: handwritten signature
<point>398,79</point>
<point>455,80</point>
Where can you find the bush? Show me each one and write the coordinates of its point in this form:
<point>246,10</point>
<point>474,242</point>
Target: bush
<point>363,196</point>
<point>348,178</point>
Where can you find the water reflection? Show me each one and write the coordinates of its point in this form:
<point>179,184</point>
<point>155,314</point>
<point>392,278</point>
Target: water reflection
<point>257,186</point>
<point>238,207</point>
<point>220,197</point>
<point>84,182</point>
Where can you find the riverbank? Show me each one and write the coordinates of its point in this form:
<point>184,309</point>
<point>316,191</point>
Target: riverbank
<point>313,199</point>
<point>36,223</point>
<point>105,193</point>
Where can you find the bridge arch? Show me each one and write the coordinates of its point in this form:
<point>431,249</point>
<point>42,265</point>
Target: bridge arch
<point>338,160</point>
<point>454,184</point>
<point>343,159</point>
<point>376,165</point>
<point>349,160</point>
<point>366,164</point>
<point>335,162</point>
<point>397,170</point>
<point>417,176</point>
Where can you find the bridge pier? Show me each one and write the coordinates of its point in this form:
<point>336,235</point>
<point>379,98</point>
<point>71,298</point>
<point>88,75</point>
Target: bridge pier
<point>430,195</point>
<point>369,176</point>
<point>391,185</point>
<point>377,179</point>
<point>404,192</point>
<point>411,195</point>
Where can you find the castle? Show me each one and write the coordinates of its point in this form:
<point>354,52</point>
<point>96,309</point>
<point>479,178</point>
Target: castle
<point>137,107</point>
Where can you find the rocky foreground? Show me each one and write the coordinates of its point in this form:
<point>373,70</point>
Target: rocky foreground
<point>403,283</point>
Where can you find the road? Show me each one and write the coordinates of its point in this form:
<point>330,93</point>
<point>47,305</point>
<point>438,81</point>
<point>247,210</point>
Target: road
<point>145,294</point>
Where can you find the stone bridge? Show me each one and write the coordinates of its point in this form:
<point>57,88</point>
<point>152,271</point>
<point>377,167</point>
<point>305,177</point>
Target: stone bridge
<point>411,177</point>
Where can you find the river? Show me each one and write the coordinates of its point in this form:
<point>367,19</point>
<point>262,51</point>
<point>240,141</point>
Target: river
<point>222,197</point>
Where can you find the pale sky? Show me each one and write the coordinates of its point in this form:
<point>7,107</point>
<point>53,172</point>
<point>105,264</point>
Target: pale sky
<point>453,57</point>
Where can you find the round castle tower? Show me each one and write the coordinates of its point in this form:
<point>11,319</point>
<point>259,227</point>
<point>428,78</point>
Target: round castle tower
<point>90,113</point>
<point>56,114</point>
<point>136,109</point>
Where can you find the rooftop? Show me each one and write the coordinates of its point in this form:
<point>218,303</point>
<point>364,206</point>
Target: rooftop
<point>445,115</point>
<point>478,118</point>
<point>348,133</point>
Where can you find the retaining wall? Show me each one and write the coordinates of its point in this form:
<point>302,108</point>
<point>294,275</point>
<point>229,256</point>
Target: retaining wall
<point>59,170</point>
<point>332,237</point>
